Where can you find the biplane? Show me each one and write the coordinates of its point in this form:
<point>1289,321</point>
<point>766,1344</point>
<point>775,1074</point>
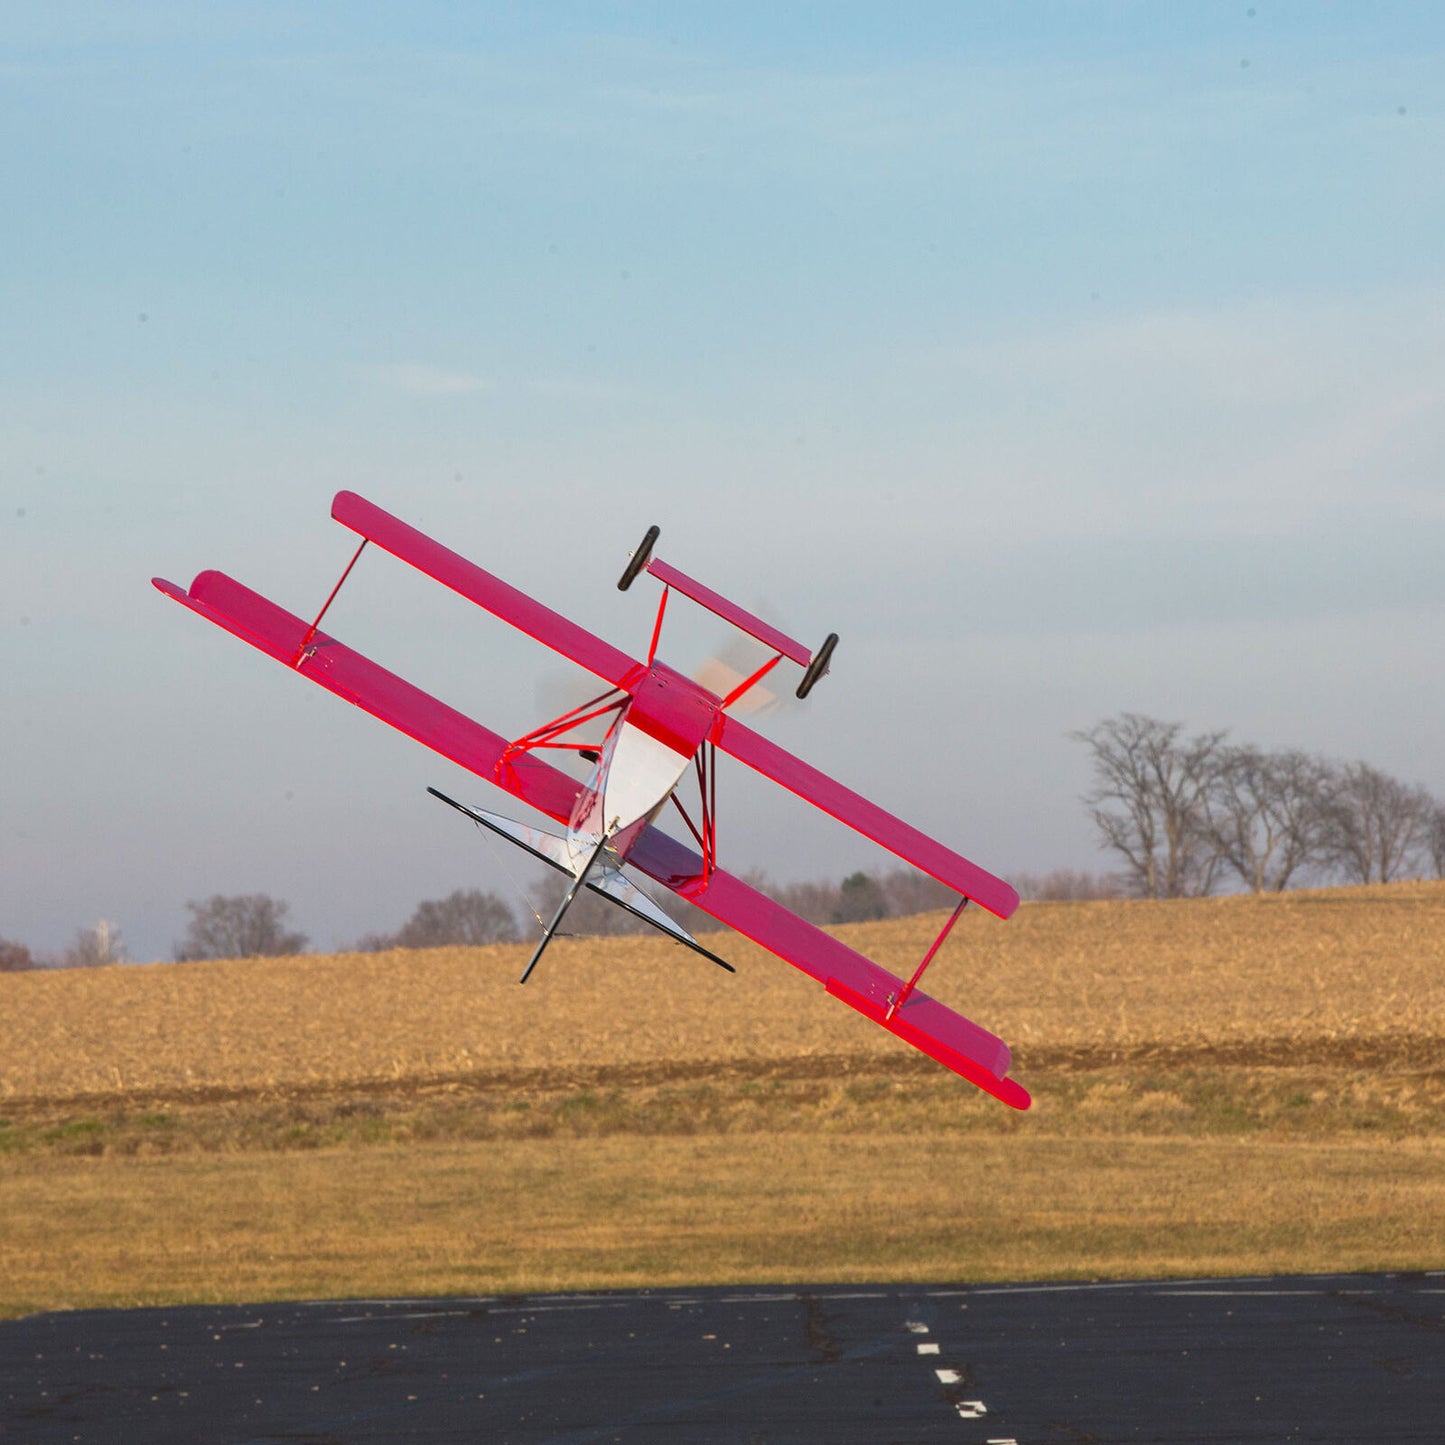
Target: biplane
<point>658,726</point>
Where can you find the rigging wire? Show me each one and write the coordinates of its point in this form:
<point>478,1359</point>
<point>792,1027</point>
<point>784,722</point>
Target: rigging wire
<point>494,844</point>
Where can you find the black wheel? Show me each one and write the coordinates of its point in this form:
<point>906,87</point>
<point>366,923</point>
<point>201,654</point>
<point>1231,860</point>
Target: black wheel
<point>639,558</point>
<point>819,665</point>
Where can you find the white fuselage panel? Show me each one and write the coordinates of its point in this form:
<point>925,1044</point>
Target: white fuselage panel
<point>640,773</point>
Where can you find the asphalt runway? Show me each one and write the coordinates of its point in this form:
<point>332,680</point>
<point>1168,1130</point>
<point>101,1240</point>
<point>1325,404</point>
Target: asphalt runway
<point>1349,1358</point>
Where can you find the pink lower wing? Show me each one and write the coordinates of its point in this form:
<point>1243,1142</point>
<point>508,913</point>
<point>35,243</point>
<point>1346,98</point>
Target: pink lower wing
<point>954,1041</point>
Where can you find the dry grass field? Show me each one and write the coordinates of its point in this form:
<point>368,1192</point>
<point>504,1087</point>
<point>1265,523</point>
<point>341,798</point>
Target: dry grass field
<point>1222,1085</point>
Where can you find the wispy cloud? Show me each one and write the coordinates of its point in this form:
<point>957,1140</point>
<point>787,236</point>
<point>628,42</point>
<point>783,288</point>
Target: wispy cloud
<point>423,379</point>
<point>419,378</point>
<point>1248,419</point>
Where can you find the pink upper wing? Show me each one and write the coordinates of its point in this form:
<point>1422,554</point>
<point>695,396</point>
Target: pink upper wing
<point>741,742</point>
<point>479,586</point>
<point>936,1030</point>
<point>371,687</point>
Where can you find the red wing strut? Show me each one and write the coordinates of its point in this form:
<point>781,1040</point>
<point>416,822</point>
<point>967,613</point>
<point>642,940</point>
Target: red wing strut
<point>741,742</point>
<point>479,586</point>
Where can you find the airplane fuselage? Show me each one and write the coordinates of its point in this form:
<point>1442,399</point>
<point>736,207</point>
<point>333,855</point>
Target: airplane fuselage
<point>648,749</point>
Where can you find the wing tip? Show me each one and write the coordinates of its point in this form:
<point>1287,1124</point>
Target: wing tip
<point>1012,1093</point>
<point>343,502</point>
<point>1008,903</point>
<point>983,1072</point>
<point>194,592</point>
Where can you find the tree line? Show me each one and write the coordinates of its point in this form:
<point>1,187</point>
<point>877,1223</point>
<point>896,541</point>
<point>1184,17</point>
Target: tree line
<point>242,926</point>
<point>1184,816</point>
<point>255,925</point>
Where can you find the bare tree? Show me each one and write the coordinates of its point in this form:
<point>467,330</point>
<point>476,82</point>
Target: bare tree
<point>1150,802</point>
<point>1437,839</point>
<point>1269,814</point>
<point>467,917</point>
<point>1069,884</point>
<point>95,947</point>
<point>15,957</point>
<point>244,926</point>
<point>1378,826</point>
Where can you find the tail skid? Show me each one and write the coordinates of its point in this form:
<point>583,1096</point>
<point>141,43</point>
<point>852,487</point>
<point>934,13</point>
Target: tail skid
<point>608,881</point>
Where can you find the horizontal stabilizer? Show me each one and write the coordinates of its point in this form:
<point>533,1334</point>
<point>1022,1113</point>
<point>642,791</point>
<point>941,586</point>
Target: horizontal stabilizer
<point>609,881</point>
<point>616,886</point>
<point>549,847</point>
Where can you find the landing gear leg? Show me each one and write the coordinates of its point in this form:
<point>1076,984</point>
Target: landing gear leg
<point>562,908</point>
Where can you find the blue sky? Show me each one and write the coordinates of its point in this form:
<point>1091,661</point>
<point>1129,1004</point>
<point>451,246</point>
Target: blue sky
<point>1064,358</point>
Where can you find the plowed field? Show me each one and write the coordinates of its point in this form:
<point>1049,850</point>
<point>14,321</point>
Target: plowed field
<point>1330,976</point>
<point>1222,1085</point>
